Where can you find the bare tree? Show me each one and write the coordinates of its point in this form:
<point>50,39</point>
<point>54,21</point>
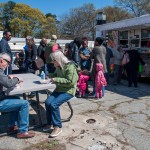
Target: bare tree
<point>136,7</point>
<point>79,22</point>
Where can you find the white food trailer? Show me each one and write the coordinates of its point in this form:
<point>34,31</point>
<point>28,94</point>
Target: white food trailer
<point>134,32</point>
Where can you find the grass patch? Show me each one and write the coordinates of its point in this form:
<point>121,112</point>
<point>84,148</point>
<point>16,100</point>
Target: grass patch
<point>47,145</point>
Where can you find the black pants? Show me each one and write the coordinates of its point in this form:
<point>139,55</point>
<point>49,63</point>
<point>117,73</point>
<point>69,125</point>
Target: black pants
<point>132,77</point>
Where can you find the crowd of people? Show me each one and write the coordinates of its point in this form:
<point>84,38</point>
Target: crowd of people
<point>69,68</point>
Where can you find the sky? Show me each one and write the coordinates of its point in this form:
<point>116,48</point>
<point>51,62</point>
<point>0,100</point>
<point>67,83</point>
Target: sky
<point>60,7</point>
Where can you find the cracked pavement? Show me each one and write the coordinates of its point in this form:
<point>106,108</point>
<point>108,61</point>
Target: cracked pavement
<point>122,122</point>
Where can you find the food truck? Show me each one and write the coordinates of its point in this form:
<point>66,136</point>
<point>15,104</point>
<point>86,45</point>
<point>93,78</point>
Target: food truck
<point>130,33</point>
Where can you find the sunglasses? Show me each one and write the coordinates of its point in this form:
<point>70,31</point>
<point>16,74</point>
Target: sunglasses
<point>7,61</point>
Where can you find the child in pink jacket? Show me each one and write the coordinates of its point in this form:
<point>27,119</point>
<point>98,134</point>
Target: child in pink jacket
<point>82,83</point>
<point>100,80</point>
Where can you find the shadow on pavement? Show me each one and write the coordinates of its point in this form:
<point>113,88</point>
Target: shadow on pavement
<point>132,92</point>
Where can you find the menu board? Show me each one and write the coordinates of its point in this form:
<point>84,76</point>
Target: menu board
<point>146,69</point>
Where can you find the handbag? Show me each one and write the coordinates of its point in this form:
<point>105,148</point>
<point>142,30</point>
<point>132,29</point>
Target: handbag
<point>125,59</point>
<point>38,63</point>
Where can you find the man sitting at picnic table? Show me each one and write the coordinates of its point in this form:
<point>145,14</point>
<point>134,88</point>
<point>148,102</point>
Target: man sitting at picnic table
<point>17,108</point>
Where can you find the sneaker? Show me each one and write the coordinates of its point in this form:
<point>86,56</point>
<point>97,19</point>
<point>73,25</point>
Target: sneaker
<point>97,98</point>
<point>87,92</point>
<point>78,96</point>
<point>84,96</point>
<point>47,128</point>
<point>56,131</point>
<point>92,95</point>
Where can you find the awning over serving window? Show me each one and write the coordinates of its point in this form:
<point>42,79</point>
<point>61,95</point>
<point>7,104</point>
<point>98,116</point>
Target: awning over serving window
<point>142,21</point>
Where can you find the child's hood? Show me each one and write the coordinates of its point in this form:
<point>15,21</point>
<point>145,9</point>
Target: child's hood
<point>99,67</point>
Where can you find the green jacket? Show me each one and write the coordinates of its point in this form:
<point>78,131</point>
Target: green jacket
<point>65,79</point>
<point>48,50</point>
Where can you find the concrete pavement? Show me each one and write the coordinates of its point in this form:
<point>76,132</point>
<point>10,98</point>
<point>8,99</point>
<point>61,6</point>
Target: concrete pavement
<point>122,122</point>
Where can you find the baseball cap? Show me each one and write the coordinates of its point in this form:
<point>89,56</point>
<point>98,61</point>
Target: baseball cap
<point>54,37</point>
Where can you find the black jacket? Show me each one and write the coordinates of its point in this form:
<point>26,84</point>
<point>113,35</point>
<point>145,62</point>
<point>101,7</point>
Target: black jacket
<point>135,59</point>
<point>30,56</point>
<point>41,52</point>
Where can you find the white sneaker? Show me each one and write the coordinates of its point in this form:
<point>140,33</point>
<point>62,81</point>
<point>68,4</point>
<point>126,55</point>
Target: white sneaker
<point>47,128</point>
<point>56,131</point>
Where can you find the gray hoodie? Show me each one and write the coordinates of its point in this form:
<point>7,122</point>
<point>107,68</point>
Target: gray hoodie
<point>117,57</point>
<point>5,82</point>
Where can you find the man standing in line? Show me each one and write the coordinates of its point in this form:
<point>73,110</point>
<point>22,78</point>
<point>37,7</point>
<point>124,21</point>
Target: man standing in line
<point>109,55</point>
<point>4,47</point>
<point>48,51</point>
<point>17,108</point>
<point>73,50</point>
<point>41,51</point>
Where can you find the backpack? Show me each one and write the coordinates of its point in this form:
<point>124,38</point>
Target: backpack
<point>55,47</point>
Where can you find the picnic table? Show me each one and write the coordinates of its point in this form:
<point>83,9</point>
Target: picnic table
<point>31,82</point>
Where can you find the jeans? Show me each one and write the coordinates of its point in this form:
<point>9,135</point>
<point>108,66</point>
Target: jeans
<point>19,112</point>
<point>103,90</point>
<point>52,107</point>
<point>93,92</point>
<point>107,74</point>
<point>117,74</point>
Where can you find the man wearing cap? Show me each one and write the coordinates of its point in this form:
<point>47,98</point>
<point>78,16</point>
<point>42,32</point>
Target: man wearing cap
<point>48,50</point>
<point>30,54</point>
<point>4,47</point>
<point>17,108</point>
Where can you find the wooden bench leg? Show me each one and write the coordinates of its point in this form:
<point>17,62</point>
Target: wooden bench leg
<point>71,114</point>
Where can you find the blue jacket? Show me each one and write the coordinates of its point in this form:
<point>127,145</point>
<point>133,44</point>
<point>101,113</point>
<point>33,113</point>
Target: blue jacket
<point>4,47</point>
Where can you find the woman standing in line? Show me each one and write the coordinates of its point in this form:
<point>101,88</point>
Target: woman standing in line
<point>99,56</point>
<point>118,54</point>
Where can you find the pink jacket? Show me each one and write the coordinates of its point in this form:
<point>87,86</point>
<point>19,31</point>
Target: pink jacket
<point>100,79</point>
<point>82,81</point>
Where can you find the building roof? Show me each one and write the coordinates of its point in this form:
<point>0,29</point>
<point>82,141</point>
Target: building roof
<point>142,21</point>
